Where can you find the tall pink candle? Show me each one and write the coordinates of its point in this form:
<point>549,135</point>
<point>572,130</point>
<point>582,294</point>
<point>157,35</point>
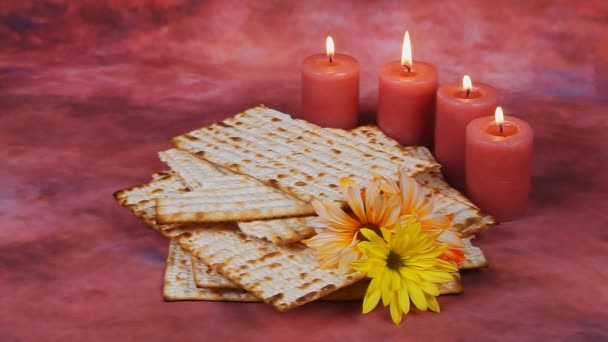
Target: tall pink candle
<point>406,99</point>
<point>498,160</point>
<point>457,105</point>
<point>330,89</point>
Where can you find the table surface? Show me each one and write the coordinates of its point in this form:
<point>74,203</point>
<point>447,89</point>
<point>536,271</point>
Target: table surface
<point>90,92</point>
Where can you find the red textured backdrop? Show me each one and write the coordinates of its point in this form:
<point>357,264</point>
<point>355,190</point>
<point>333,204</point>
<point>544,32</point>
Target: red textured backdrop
<point>91,90</point>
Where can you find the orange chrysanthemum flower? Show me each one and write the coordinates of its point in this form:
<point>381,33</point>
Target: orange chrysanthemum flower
<point>417,204</point>
<point>336,243</point>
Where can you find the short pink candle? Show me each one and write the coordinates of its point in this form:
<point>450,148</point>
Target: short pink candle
<point>498,163</point>
<point>457,105</point>
<point>330,89</point>
<point>406,99</point>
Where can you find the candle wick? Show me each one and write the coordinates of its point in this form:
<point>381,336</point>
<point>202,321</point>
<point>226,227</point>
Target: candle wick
<point>500,128</point>
<point>408,68</point>
<point>468,91</point>
<point>331,59</point>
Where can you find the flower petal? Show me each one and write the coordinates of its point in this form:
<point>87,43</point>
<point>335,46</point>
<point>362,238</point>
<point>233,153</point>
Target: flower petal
<point>372,296</point>
<point>409,275</point>
<point>376,211</point>
<point>396,283</point>
<point>436,277</point>
<point>348,255</point>
<point>401,241</point>
<point>328,238</point>
<point>387,235</point>
<point>454,255</point>
<point>385,283</point>
<point>429,288</point>
<point>373,251</point>
<point>353,198</point>
<point>417,297</point>
<point>331,247</point>
<point>317,223</point>
<point>377,270</point>
<point>423,263</point>
<point>389,186</point>
<point>395,309</point>
<point>372,236</point>
<point>436,221</point>
<point>404,300</point>
<point>392,210</point>
<point>373,202</point>
<point>413,196</point>
<point>334,214</point>
<point>424,206</point>
<point>408,192</point>
<point>445,266</point>
<point>430,253</point>
<point>361,265</point>
<point>432,303</point>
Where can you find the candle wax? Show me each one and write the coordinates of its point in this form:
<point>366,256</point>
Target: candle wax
<point>406,102</point>
<point>454,112</point>
<point>498,166</point>
<point>330,90</point>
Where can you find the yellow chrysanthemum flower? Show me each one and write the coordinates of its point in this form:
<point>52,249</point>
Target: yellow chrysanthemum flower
<point>403,267</point>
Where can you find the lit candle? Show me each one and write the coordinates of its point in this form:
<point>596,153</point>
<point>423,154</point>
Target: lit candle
<point>406,98</point>
<point>457,105</point>
<point>330,88</point>
<point>498,160</point>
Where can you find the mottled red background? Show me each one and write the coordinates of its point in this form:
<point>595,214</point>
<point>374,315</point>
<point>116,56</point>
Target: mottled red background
<point>91,90</point>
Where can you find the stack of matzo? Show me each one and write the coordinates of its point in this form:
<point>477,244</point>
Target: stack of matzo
<point>236,203</point>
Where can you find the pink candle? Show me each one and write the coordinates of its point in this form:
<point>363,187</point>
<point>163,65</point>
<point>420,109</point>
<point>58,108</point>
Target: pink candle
<point>457,105</point>
<point>330,89</point>
<point>406,99</point>
<point>498,159</point>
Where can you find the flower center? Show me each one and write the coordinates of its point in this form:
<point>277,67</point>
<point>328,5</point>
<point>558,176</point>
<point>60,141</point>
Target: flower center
<point>393,261</point>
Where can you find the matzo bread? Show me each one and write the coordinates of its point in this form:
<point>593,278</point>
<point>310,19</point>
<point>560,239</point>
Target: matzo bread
<point>239,205</point>
<point>220,195</point>
<point>164,182</point>
<point>141,200</point>
<point>140,205</point>
<point>205,276</point>
<point>474,257</point>
<point>195,172</point>
<point>293,155</point>
<point>283,276</point>
<point>200,174</point>
<point>179,282</point>
<point>162,174</point>
<point>280,231</point>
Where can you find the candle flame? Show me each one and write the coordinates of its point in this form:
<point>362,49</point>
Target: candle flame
<point>498,116</point>
<point>329,47</point>
<point>466,83</point>
<point>406,51</point>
